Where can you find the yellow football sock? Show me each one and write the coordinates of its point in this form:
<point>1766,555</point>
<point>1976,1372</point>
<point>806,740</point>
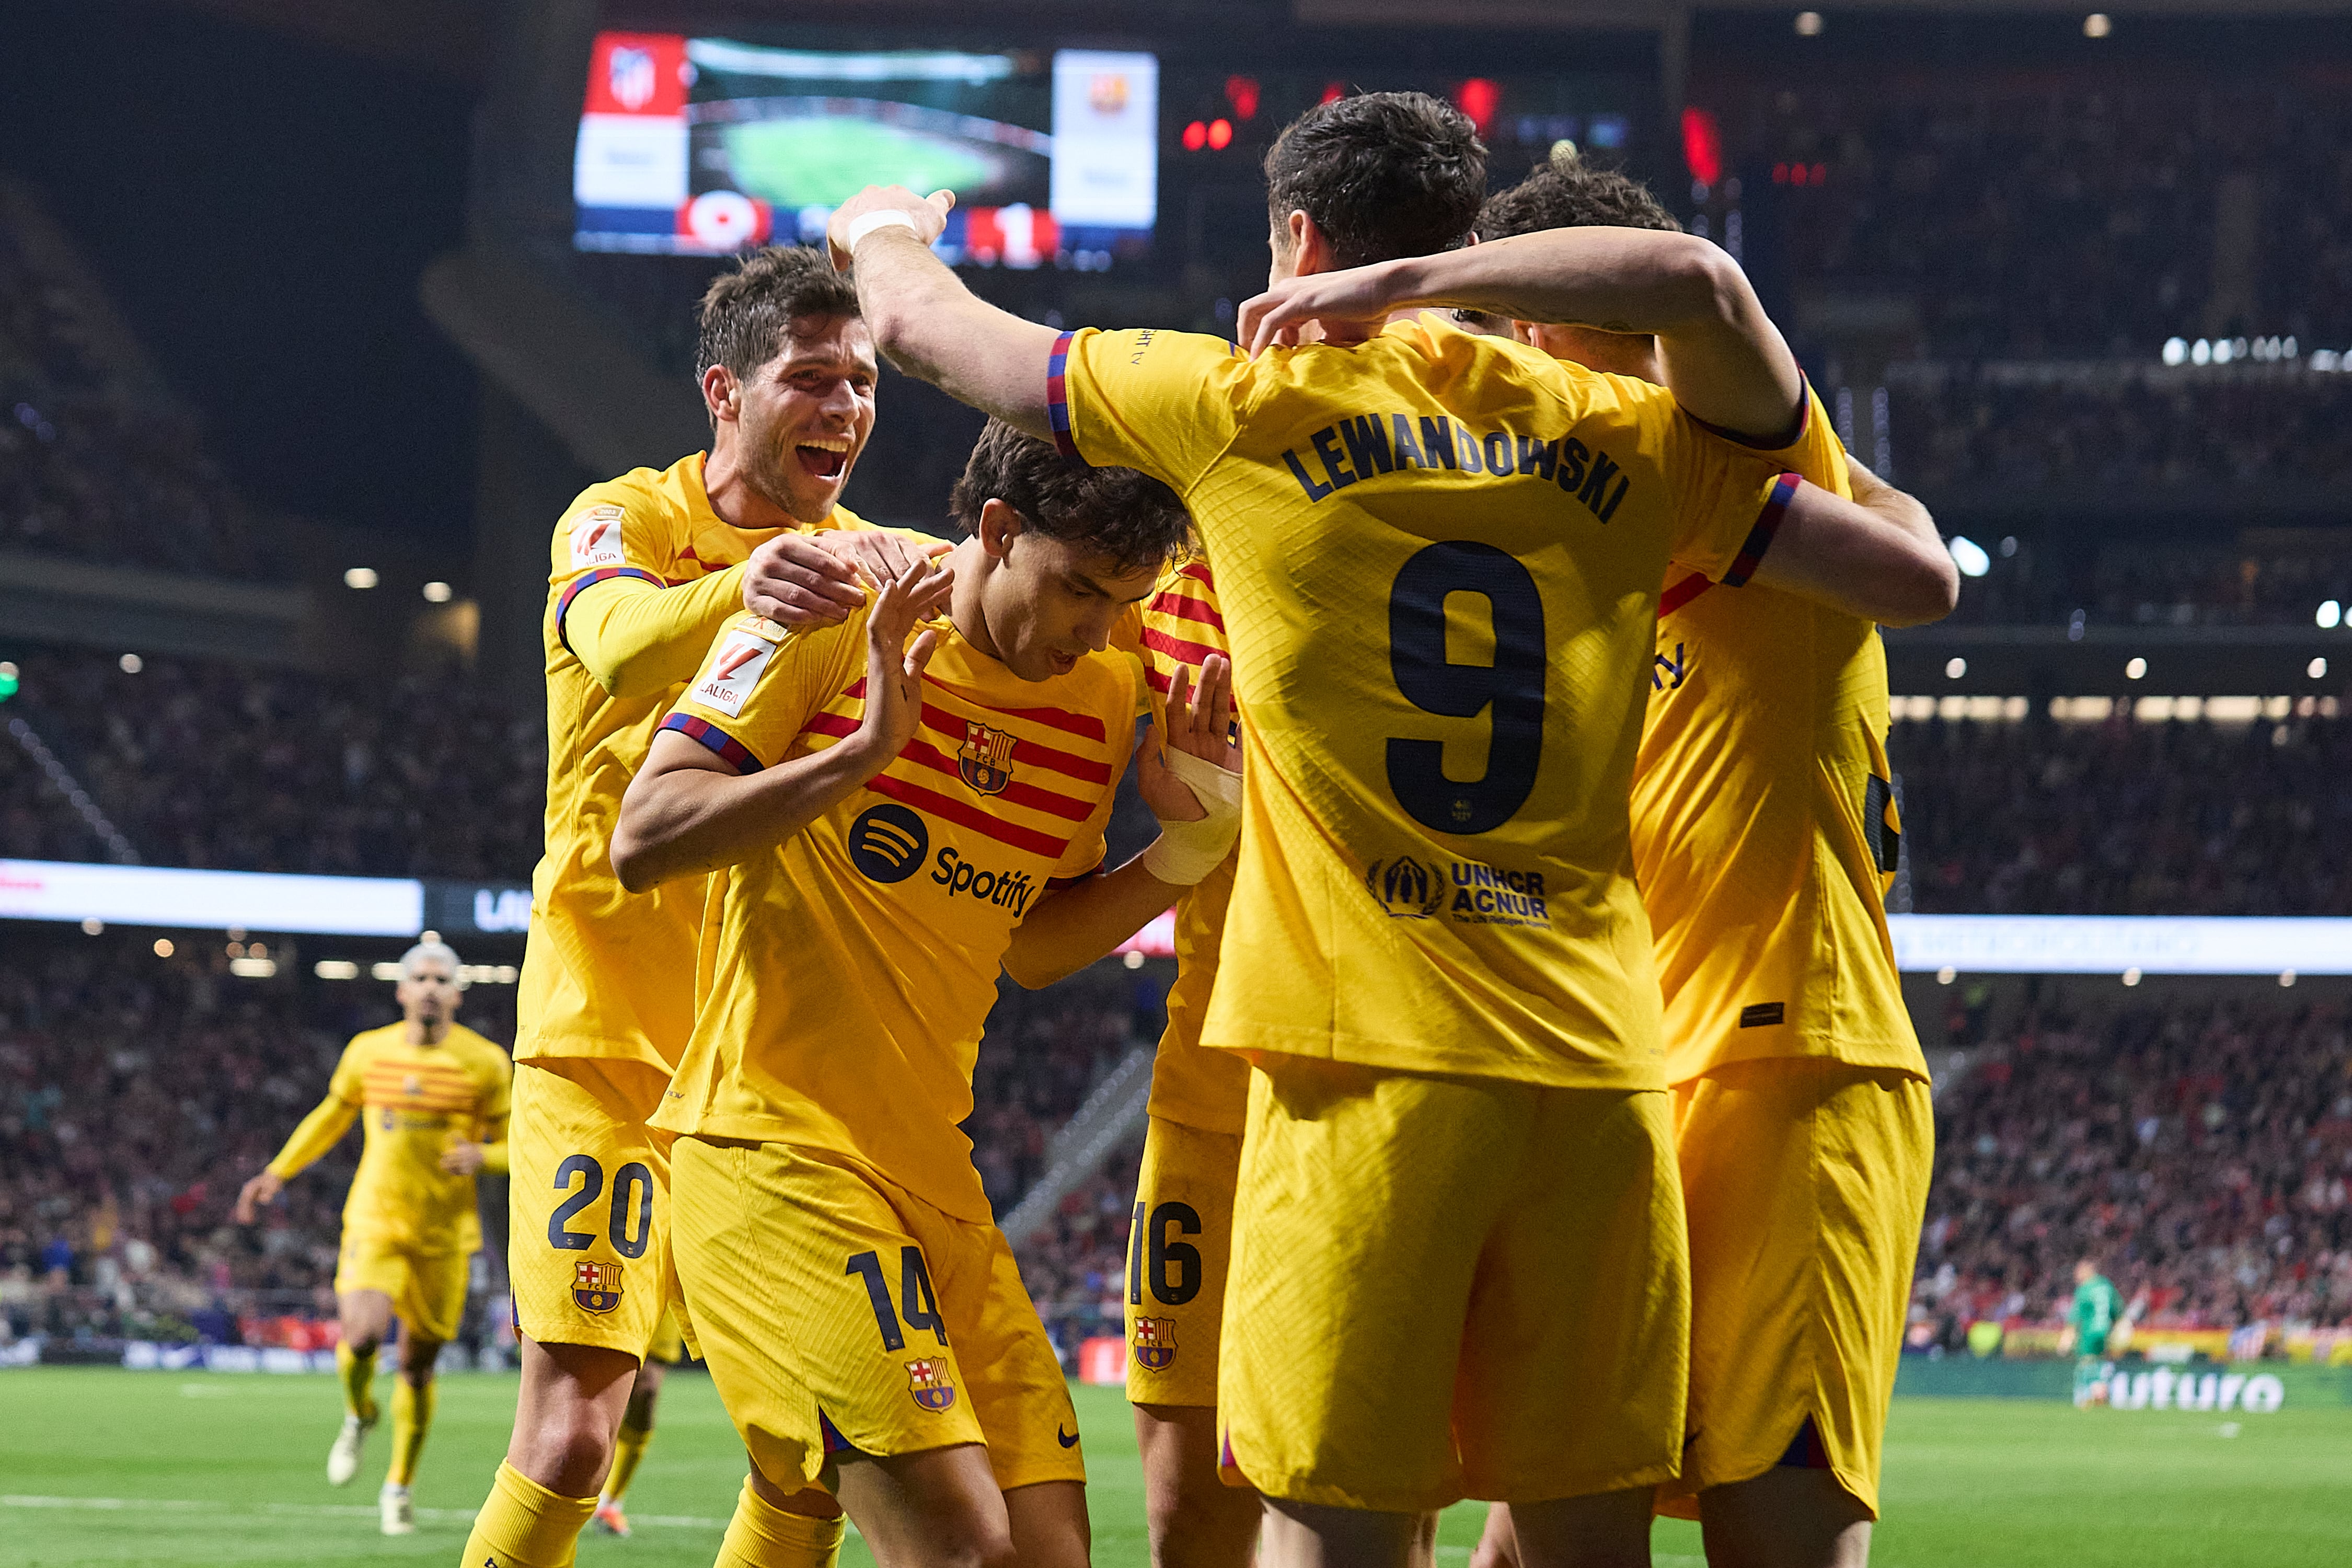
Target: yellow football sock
<point>628,1448</point>
<point>412,1417</point>
<point>357,1372</point>
<point>524,1525</point>
<point>762,1535</point>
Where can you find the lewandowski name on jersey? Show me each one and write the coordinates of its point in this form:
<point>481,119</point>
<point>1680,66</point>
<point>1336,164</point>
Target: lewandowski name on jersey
<point>1365,445</point>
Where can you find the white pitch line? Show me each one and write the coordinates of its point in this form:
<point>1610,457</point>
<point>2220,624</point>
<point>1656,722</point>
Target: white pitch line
<point>309,1510</point>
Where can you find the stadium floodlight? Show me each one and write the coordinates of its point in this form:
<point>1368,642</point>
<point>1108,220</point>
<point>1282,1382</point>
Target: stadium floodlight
<point>9,679</point>
<point>1955,668</point>
<point>163,948</point>
<point>2135,670</point>
<point>436,593</point>
<point>2201,353</point>
<point>2176,351</point>
<point>2097,24</point>
<point>1809,23</point>
<point>359,577</point>
<point>2330,617</point>
<point>2317,669</point>
<point>131,664</point>
<point>1970,556</point>
<point>335,969</point>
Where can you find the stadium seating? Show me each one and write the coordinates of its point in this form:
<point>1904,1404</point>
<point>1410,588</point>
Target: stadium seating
<point>2199,1147</point>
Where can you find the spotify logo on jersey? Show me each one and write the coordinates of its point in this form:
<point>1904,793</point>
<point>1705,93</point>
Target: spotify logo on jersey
<point>888,842</point>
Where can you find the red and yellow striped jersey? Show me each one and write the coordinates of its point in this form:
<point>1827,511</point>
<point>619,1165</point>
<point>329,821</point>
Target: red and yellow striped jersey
<point>415,1101</point>
<point>1181,624</point>
<point>1764,821</point>
<point>609,974</point>
<point>850,970</point>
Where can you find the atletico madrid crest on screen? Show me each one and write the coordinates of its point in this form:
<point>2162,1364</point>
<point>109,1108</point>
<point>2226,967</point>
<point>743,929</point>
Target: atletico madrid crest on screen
<point>927,1380</point>
<point>596,1287</point>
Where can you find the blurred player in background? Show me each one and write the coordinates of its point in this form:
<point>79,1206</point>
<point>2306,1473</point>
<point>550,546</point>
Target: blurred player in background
<point>2095,1321</point>
<point>434,1096</point>
<point>1181,1241</point>
<point>900,824</point>
<point>1449,997</point>
<point>644,571</point>
<point>638,1422</point>
<point>1764,837</point>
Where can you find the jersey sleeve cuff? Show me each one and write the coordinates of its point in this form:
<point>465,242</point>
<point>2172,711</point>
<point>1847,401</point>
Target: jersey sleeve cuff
<point>1781,443</point>
<point>1057,398</point>
<point>587,580</point>
<point>716,740</point>
<point>1760,538</point>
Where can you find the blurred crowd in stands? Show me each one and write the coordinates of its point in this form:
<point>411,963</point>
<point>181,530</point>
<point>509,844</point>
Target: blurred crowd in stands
<point>206,763</point>
<point>89,464</point>
<point>138,1091</point>
<point>2197,1148</point>
<point>2276,577</point>
<point>2124,817</point>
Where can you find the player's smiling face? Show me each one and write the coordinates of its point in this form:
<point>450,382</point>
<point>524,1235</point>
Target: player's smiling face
<point>803,418</point>
<point>1047,603</point>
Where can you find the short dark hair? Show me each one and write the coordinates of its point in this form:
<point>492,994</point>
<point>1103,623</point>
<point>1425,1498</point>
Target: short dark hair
<point>1130,517</point>
<point>1568,193</point>
<point>1383,174</point>
<point>745,314</point>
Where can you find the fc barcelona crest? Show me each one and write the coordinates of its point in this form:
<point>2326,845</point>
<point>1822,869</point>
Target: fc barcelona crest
<point>927,1380</point>
<point>1155,1343</point>
<point>986,761</point>
<point>596,1287</point>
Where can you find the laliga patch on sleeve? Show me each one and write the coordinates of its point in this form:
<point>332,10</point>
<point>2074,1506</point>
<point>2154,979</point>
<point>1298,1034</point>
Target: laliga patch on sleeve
<point>596,536</point>
<point>734,671</point>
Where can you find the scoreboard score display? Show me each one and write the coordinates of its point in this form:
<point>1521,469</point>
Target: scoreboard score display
<point>704,146</point>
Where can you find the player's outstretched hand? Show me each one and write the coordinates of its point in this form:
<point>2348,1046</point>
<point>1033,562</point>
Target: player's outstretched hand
<point>894,666</point>
<point>928,214</point>
<point>1349,306</point>
<point>812,579</point>
<point>1200,724</point>
<point>462,1159</point>
<point>264,1188</point>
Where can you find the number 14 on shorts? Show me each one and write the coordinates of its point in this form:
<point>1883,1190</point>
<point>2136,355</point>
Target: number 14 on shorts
<point>918,1308</point>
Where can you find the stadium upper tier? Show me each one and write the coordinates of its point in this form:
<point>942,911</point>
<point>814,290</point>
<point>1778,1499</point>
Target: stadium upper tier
<point>2198,1149</point>
<point>137,1091</point>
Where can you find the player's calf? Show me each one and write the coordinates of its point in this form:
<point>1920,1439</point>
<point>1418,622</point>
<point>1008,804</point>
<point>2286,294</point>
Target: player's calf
<point>940,1509</point>
<point>570,1405</point>
<point>1789,1517</point>
<point>1196,1520</point>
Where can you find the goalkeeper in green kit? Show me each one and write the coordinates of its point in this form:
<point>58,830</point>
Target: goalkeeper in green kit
<point>2092,1322</point>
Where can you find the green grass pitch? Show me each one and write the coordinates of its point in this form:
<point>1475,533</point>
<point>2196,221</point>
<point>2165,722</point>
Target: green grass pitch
<point>121,1468</point>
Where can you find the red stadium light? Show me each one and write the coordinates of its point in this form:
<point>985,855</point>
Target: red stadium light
<point>1333,91</point>
<point>1221,134</point>
<point>1241,92</point>
<point>1797,175</point>
<point>1196,136</point>
<point>1702,146</point>
<point>1478,99</point>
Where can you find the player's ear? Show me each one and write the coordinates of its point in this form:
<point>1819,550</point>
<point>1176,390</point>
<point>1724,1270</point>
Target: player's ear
<point>1000,525</point>
<point>1310,252</point>
<point>720,392</point>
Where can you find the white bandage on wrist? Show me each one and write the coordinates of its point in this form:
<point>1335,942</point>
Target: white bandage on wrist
<point>859,228</point>
<point>1185,852</point>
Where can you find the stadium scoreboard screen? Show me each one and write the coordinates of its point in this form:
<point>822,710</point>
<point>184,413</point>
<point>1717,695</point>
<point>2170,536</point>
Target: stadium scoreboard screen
<point>704,146</point>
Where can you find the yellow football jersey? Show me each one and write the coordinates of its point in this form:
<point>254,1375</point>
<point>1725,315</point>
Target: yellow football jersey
<point>608,973</point>
<point>852,967</point>
<point>1438,557</point>
<point>1181,624</point>
<point>415,1101</point>
<point>1764,821</point>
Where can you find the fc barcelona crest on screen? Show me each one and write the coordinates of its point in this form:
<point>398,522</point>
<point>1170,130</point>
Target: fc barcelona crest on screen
<point>986,760</point>
<point>1155,1343</point>
<point>928,1381</point>
<point>596,1287</point>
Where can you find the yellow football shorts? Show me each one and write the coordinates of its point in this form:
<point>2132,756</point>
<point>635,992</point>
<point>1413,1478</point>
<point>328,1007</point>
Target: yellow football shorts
<point>588,1204</point>
<point>1177,1253</point>
<point>1806,1182</point>
<point>669,1344</point>
<point>843,1315</point>
<point>427,1288</point>
<point>1452,1287</point>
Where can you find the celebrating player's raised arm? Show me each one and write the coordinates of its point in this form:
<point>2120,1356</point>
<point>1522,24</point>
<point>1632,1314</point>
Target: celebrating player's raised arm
<point>691,810</point>
<point>1722,357</point>
<point>1190,778</point>
<point>926,321</point>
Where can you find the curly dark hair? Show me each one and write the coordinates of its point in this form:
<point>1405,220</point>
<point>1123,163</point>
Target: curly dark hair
<point>1568,193</point>
<point>1130,517</point>
<point>746,313</point>
<point>1383,174</point>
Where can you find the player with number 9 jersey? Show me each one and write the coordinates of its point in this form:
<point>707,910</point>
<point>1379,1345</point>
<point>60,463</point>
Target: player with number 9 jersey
<point>1439,558</point>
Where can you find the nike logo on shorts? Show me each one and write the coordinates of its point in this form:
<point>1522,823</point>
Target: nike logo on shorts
<point>1070,1440</point>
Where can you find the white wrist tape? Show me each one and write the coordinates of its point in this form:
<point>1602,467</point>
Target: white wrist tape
<point>859,228</point>
<point>1185,852</point>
